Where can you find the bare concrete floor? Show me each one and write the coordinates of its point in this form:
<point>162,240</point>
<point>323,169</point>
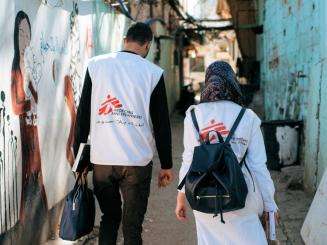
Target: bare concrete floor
<point>293,203</point>
<point>162,228</point>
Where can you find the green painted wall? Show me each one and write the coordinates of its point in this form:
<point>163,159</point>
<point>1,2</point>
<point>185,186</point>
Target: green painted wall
<point>293,72</point>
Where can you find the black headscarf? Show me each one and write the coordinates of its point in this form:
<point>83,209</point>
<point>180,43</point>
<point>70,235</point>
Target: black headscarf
<point>221,84</point>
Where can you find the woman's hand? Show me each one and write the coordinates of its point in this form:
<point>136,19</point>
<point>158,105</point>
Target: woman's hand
<point>180,210</point>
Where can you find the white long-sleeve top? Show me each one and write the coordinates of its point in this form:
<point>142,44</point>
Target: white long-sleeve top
<point>220,116</point>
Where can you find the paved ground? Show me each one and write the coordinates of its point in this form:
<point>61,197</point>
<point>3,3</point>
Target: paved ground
<point>162,228</point>
<point>293,203</point>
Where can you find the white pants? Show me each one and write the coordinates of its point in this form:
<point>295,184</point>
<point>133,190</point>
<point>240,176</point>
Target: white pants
<point>242,227</point>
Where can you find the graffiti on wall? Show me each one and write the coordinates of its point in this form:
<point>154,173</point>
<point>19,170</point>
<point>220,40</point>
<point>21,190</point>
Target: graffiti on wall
<point>52,44</point>
<point>38,104</point>
<point>22,160</point>
<point>75,61</point>
<point>73,81</point>
<point>62,77</point>
<point>53,3</point>
<point>8,170</point>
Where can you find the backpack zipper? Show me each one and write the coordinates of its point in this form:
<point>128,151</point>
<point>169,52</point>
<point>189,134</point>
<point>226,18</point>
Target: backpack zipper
<point>213,196</point>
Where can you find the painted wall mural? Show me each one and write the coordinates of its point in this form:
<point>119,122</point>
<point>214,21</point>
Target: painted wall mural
<point>24,97</point>
<point>42,65</point>
<point>61,47</point>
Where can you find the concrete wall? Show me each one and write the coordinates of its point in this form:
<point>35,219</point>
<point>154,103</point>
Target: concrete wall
<point>162,53</point>
<point>167,47</point>
<point>293,73</point>
<point>291,42</point>
<point>39,95</point>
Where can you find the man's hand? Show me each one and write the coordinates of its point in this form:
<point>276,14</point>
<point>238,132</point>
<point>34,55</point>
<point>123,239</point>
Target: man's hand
<point>165,177</point>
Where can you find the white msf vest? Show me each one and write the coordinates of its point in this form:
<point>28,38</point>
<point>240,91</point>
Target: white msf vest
<point>121,129</point>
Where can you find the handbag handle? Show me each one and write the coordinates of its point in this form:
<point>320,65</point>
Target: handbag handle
<point>81,180</point>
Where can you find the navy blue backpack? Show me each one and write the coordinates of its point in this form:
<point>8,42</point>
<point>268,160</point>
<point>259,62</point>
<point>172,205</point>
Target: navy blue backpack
<point>215,182</point>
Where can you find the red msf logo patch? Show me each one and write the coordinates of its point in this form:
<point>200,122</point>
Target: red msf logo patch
<point>214,127</point>
<point>109,105</point>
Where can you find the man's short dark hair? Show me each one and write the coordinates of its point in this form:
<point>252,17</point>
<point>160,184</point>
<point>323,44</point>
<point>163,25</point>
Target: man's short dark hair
<point>140,33</point>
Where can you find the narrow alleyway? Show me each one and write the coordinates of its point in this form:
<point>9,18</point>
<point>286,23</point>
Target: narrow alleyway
<point>162,228</point>
<point>42,72</point>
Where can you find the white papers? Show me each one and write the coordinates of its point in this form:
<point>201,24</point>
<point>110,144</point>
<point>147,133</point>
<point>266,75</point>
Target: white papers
<point>272,226</point>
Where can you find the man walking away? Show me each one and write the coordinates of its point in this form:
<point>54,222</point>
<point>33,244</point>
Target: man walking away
<point>124,108</point>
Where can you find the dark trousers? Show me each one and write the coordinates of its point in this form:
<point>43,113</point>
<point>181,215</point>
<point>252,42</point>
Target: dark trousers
<point>133,184</point>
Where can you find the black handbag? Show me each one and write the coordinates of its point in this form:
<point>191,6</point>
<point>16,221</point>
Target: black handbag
<point>215,182</point>
<point>78,216</point>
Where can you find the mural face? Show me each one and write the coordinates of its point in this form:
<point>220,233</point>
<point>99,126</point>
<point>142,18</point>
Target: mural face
<point>24,37</point>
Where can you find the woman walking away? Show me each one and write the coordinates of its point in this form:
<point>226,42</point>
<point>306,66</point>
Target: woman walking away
<point>221,103</point>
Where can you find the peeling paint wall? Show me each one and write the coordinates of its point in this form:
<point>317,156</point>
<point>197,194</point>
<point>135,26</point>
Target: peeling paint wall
<point>293,71</point>
<point>291,46</point>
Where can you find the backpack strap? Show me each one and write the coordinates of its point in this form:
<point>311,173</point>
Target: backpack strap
<point>194,120</point>
<point>242,162</point>
<point>195,123</point>
<point>235,125</point>
<point>180,186</point>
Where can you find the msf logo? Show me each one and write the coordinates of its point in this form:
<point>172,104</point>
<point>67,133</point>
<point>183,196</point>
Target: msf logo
<point>109,105</point>
<point>210,131</point>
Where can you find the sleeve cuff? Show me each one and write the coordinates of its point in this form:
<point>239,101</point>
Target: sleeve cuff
<point>167,166</point>
<point>270,207</point>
